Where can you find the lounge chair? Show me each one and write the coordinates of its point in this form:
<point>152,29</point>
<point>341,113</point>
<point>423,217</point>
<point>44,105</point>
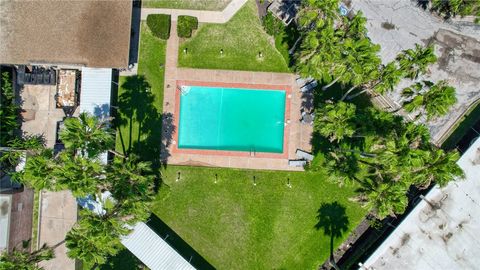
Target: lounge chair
<point>309,86</point>
<point>297,163</point>
<point>303,81</point>
<point>307,118</point>
<point>304,155</point>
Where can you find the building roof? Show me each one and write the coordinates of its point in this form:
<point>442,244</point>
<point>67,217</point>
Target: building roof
<point>90,33</point>
<point>95,94</point>
<point>152,250</point>
<point>5,209</point>
<point>444,236</point>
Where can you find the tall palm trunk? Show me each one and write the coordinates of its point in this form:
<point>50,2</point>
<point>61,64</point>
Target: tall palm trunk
<point>348,92</point>
<point>331,83</point>
<point>357,94</point>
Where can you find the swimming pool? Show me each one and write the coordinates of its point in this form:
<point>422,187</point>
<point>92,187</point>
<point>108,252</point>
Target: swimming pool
<point>231,119</point>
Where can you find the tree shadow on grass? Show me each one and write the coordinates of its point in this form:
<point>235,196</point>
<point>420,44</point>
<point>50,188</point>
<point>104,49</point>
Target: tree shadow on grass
<point>138,112</point>
<point>333,220</point>
<point>177,243</point>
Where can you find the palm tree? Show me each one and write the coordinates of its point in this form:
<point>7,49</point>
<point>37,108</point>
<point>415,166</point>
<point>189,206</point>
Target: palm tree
<point>82,176</point>
<point>14,149</point>
<point>24,259</point>
<point>415,62</point>
<point>94,238</point>
<point>87,135</point>
<point>383,198</point>
<point>440,167</point>
<point>38,171</point>
<point>435,99</point>
<point>315,11</point>
<point>362,62</point>
<point>131,184</point>
<point>335,121</point>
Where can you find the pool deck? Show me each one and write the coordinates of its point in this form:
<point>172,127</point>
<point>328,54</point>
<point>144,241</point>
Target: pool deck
<point>297,136</point>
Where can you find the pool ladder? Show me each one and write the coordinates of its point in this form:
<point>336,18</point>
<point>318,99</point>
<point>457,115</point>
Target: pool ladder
<point>252,152</point>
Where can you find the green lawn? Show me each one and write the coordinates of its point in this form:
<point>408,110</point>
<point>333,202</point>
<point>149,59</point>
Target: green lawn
<point>187,4</point>
<point>141,97</point>
<point>235,225</point>
<point>242,38</point>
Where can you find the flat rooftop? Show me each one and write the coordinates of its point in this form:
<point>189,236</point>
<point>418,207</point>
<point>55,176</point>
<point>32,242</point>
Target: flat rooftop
<point>87,33</point>
<point>399,25</point>
<point>441,233</point>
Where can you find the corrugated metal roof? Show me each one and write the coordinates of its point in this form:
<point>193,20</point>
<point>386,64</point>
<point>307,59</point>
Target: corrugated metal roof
<point>96,90</point>
<point>153,251</point>
<point>95,94</point>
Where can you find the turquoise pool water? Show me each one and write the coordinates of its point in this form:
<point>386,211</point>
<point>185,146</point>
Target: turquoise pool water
<point>231,119</point>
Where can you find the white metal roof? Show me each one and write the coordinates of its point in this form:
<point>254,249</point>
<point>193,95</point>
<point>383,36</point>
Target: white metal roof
<point>95,91</point>
<point>444,238</point>
<point>5,207</point>
<point>95,94</point>
<point>153,251</point>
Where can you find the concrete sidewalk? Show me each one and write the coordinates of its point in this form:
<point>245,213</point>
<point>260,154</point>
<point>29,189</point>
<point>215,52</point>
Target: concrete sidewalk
<point>202,15</point>
<point>58,213</point>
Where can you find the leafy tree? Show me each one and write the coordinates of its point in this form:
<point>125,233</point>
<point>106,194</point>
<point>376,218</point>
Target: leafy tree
<point>8,110</point>
<point>382,153</point>
<point>15,149</point>
<point>452,8</point>
<point>336,121</point>
<point>314,12</point>
<point>63,171</point>
<point>383,198</point>
<point>131,184</point>
<point>87,134</point>
<point>24,259</point>
<point>95,237</point>
<point>435,99</point>
<point>439,167</point>
<point>415,62</point>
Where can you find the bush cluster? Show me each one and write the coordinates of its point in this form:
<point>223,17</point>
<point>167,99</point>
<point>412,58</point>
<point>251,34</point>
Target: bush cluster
<point>185,25</point>
<point>159,24</point>
<point>272,25</point>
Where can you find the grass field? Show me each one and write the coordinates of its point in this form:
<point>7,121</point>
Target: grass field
<point>141,97</point>
<point>242,39</point>
<point>187,4</point>
<point>236,225</point>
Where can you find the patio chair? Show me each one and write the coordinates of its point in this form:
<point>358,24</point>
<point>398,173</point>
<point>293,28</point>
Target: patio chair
<point>297,163</point>
<point>304,155</point>
<point>309,86</point>
<point>303,81</point>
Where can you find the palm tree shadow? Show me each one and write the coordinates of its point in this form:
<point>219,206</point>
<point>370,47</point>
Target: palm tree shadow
<point>333,220</point>
<point>138,113</point>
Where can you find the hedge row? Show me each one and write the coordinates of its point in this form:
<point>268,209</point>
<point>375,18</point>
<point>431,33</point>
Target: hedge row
<point>159,24</point>
<point>185,25</point>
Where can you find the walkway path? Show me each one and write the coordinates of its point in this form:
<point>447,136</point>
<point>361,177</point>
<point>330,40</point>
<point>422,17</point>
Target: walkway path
<point>205,16</point>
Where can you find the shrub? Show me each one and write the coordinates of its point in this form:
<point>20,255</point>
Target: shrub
<point>272,25</point>
<point>185,25</point>
<point>159,24</point>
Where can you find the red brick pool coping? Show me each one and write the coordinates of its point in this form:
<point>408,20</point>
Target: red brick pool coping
<point>286,130</point>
